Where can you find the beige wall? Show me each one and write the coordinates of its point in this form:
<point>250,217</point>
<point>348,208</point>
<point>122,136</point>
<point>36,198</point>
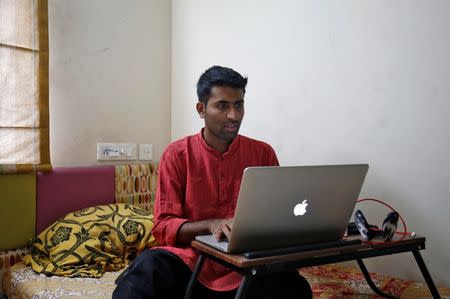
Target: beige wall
<point>337,82</point>
<point>110,68</point>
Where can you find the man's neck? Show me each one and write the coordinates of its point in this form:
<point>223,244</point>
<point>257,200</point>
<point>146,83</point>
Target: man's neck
<point>216,143</point>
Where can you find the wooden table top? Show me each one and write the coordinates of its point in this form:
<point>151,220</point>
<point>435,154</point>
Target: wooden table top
<point>240,261</point>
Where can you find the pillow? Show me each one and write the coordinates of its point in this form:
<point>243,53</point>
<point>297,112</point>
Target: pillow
<point>88,242</point>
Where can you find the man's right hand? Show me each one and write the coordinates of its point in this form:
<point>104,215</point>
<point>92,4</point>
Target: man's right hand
<point>217,227</point>
<point>221,227</point>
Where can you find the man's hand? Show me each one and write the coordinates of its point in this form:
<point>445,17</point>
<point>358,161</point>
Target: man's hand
<point>217,227</point>
<point>221,227</point>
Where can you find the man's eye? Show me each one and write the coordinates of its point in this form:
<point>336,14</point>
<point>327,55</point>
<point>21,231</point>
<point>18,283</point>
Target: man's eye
<point>222,105</point>
<point>239,105</point>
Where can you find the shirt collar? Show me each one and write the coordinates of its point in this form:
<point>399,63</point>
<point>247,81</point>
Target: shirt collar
<point>231,148</point>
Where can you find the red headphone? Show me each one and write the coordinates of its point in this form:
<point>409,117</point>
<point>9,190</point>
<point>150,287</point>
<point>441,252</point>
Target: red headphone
<point>389,226</point>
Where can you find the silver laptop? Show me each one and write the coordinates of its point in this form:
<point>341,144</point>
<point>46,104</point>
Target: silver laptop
<point>292,205</point>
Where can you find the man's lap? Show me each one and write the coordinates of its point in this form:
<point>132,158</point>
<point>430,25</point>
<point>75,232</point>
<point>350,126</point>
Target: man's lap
<point>162,274</point>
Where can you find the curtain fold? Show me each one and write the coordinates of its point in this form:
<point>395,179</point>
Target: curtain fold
<point>24,96</point>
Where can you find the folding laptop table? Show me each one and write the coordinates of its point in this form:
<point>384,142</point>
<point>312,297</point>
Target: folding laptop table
<point>278,263</point>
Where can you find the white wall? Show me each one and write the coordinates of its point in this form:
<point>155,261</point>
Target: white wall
<point>110,68</point>
<point>337,82</point>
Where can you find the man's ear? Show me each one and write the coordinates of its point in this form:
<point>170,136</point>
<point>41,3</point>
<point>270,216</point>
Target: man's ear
<point>201,107</point>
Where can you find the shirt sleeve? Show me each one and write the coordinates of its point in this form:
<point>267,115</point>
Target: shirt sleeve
<point>168,208</point>
<point>271,157</point>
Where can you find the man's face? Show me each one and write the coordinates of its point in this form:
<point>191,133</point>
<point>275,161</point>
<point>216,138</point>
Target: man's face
<point>224,112</point>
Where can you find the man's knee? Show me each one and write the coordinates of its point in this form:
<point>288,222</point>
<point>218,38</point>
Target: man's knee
<point>166,264</point>
<point>153,273</point>
<point>149,256</point>
<point>147,259</point>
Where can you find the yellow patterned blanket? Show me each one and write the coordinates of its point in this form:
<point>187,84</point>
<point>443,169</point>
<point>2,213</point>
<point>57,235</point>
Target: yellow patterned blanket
<point>88,242</point>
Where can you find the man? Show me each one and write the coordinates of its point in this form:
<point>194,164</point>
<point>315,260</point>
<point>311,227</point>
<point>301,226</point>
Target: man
<point>198,186</point>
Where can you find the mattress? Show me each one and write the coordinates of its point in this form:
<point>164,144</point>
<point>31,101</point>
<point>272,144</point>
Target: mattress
<point>21,282</point>
<point>328,281</point>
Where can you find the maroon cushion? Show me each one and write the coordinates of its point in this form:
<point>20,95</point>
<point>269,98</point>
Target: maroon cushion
<point>65,190</point>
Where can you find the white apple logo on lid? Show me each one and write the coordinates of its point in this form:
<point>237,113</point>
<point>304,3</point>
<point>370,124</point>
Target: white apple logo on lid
<point>300,209</point>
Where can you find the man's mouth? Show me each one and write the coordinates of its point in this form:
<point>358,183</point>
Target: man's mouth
<point>231,127</point>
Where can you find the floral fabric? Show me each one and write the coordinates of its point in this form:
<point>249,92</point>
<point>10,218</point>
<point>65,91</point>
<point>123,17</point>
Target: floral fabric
<point>88,242</point>
<point>336,281</point>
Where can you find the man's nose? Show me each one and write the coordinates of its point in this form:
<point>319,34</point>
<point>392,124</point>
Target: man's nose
<point>233,114</point>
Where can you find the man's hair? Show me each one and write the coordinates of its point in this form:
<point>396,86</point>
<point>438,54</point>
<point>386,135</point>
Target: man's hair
<point>218,76</point>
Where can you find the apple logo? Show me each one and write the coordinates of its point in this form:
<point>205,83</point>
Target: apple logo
<point>300,209</point>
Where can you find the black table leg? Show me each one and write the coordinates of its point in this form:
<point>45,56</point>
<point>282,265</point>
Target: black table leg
<point>242,288</point>
<point>194,276</point>
<point>370,281</point>
<point>426,274</point>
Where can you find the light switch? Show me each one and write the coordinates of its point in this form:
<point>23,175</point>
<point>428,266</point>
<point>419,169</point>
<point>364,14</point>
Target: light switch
<point>145,152</point>
<point>116,151</point>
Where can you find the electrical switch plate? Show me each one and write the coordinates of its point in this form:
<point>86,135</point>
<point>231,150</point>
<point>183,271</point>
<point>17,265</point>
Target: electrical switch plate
<point>145,152</point>
<point>116,151</point>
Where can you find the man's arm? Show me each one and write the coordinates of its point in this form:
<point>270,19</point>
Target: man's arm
<point>218,227</point>
<point>271,158</point>
<point>168,209</point>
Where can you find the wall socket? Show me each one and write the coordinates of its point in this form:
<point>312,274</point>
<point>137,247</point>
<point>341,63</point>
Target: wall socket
<point>146,152</point>
<point>116,151</point>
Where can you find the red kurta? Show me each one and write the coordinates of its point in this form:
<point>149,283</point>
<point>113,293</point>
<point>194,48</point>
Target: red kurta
<point>196,183</point>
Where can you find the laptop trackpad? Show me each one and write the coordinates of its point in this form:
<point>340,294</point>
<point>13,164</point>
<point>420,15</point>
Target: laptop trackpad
<point>210,240</point>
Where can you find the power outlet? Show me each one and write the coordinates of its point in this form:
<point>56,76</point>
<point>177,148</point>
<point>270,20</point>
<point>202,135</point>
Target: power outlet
<point>146,152</point>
